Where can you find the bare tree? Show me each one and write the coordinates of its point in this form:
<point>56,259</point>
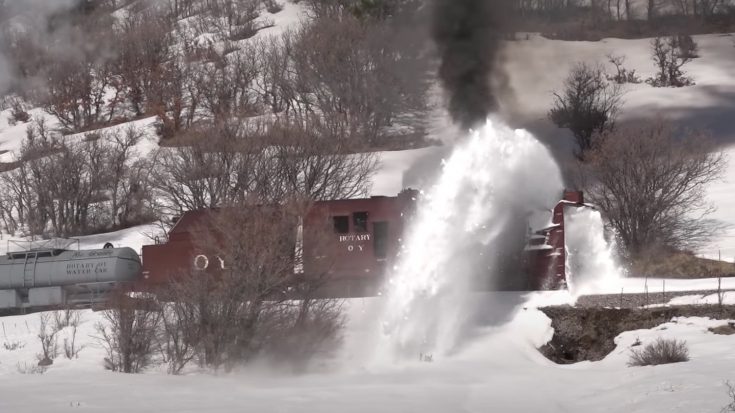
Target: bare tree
<point>76,93</point>
<point>69,318</point>
<point>128,332</point>
<point>49,344</point>
<point>179,337</point>
<point>308,162</point>
<point>66,188</point>
<point>226,87</point>
<point>651,9</point>
<point>268,162</point>
<point>670,55</point>
<point>362,100</point>
<point>213,166</point>
<point>588,105</point>
<point>249,299</point>
<point>144,48</point>
<point>649,181</point>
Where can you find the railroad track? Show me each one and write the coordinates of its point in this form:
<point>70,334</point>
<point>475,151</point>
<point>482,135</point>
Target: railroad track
<point>628,300</point>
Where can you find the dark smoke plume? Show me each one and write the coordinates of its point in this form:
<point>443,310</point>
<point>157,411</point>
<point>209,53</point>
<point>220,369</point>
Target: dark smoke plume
<point>468,34</point>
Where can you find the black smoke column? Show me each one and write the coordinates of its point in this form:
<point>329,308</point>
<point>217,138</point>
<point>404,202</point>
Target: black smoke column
<point>468,34</point>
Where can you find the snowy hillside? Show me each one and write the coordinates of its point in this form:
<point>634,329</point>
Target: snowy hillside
<point>536,67</point>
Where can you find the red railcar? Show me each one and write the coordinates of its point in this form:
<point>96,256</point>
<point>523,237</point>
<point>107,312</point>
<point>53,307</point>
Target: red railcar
<point>363,239</point>
<point>179,254</point>
<point>546,250</point>
<point>351,242</point>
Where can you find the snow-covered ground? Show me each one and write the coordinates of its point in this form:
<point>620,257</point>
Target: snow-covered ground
<point>498,371</point>
<point>537,66</point>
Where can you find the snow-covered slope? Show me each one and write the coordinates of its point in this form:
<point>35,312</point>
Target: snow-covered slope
<point>537,66</point>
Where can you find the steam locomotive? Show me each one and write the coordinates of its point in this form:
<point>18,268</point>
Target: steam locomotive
<point>365,240</point>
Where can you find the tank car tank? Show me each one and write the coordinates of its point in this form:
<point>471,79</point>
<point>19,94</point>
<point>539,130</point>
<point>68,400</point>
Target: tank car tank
<point>49,277</point>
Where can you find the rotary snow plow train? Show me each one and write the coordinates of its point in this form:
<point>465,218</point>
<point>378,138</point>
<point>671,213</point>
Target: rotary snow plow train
<point>364,241</point>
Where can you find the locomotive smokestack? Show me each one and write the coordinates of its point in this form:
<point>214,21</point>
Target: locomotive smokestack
<point>468,34</point>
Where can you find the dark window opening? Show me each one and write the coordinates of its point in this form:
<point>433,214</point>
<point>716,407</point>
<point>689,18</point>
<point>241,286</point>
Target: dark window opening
<point>341,224</point>
<point>360,221</point>
<point>380,239</point>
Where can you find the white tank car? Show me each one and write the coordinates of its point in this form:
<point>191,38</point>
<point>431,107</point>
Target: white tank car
<point>52,277</point>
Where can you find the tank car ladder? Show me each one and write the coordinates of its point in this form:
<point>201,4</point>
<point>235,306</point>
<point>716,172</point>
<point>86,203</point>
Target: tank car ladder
<point>29,271</point>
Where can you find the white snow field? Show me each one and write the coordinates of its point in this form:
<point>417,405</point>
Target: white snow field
<point>537,66</point>
<point>499,371</point>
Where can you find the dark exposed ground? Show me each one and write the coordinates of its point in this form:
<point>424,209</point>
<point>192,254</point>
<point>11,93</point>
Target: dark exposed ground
<point>588,333</point>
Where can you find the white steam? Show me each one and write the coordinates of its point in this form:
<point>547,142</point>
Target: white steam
<point>493,176</point>
<point>32,16</point>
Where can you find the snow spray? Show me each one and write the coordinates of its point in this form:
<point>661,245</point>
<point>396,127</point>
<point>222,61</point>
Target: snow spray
<point>492,176</point>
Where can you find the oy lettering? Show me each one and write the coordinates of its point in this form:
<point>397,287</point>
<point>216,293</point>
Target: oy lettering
<point>351,248</point>
<point>201,262</point>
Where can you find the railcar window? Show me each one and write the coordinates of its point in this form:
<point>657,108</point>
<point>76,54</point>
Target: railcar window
<point>360,221</point>
<point>341,224</point>
<point>380,239</point>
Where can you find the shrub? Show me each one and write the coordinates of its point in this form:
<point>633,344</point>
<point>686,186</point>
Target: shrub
<point>18,112</point>
<point>662,351</point>
<point>688,48</point>
<point>731,395</point>
<point>623,75</point>
<point>128,333</point>
<point>31,368</point>
<point>13,345</point>
<point>670,54</point>
<point>587,105</point>
<point>272,6</point>
<point>47,336</point>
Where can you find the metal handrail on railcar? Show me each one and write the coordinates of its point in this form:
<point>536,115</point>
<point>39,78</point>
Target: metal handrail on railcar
<point>44,244</point>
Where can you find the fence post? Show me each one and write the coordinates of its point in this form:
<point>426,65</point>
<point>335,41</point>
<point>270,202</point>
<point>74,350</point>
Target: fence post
<point>663,292</point>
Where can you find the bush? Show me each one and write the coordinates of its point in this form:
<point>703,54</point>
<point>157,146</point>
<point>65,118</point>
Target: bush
<point>587,105</point>
<point>623,75</point>
<point>670,54</point>
<point>273,7</point>
<point>688,48</point>
<point>13,345</point>
<point>49,344</point>
<point>128,333</point>
<point>662,351</point>
<point>31,368</point>
<point>18,113</point>
<point>731,395</point>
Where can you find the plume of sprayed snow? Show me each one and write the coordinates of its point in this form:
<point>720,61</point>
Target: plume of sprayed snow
<point>591,264</point>
<point>492,176</point>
